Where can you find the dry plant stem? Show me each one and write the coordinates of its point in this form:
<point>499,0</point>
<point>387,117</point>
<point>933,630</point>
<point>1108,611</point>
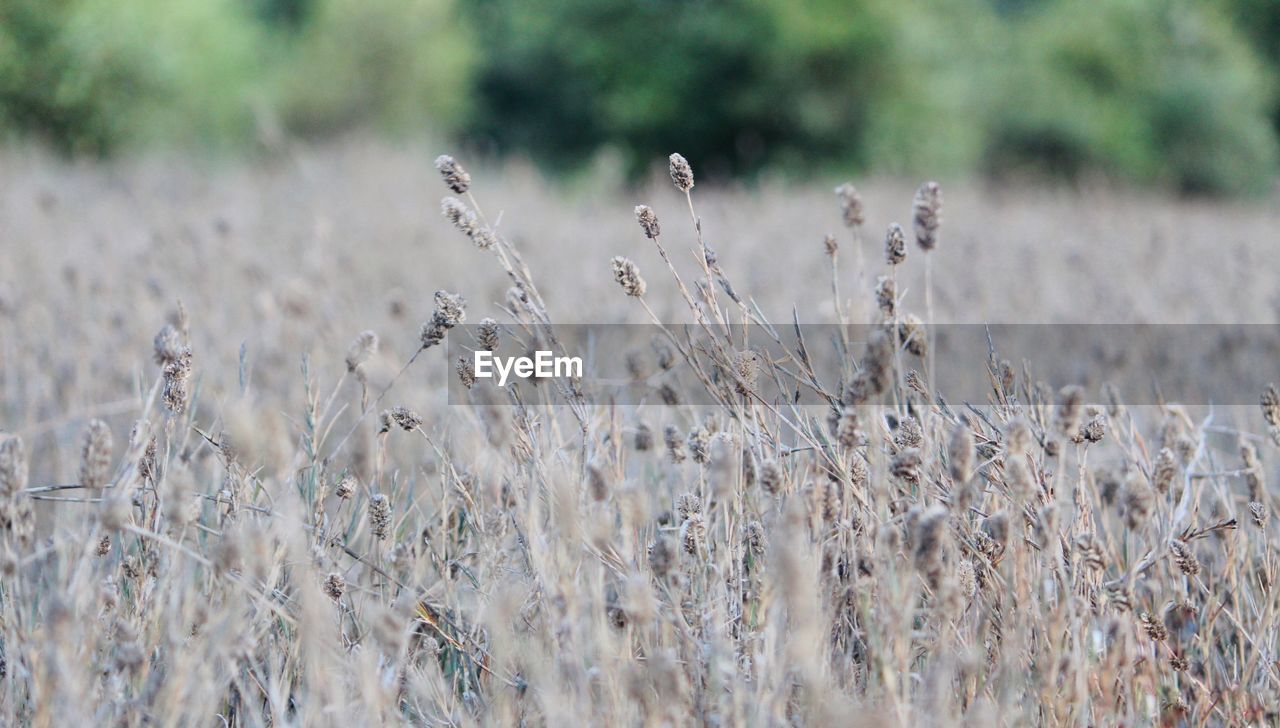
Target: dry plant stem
<point>701,254</point>
<point>930,321</point>
<point>374,406</point>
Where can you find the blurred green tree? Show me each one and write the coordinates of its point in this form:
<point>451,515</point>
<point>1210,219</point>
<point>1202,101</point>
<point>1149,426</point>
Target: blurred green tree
<point>1147,90</point>
<point>733,83</point>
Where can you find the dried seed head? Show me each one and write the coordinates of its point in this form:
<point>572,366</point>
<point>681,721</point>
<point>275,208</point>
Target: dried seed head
<point>487,334</point>
<point>362,347</point>
<point>95,455</point>
<point>960,453</point>
<point>1138,501</point>
<point>648,221</point>
<point>1017,436</point>
<point>1091,554</point>
<point>451,310</point>
<point>681,173</point>
<point>1254,478</point>
<point>484,237</point>
<point>1271,405</point>
<point>995,530</point>
<point>906,465</point>
<point>346,487</point>
<point>1018,478</point>
<point>1154,628</point>
<point>402,417</point>
<point>850,205</point>
<point>597,486</point>
<point>928,531</point>
<point>661,556</point>
<point>693,533</point>
<point>1095,429</point>
<point>1164,470</point>
<point>830,245</point>
<point>168,345</point>
<point>699,441</point>
<point>927,211</point>
<point>455,177</point>
<point>1067,413</point>
<point>746,370</point>
<point>335,586</point>
<point>644,437</point>
<point>459,215</point>
<point>1259,514</point>
<point>176,374</point>
<point>755,538</point>
<point>466,372</point>
<point>380,516</point>
<point>1184,557</point>
<point>688,505</point>
<point>675,443</point>
<point>848,429</point>
<point>771,477</point>
<point>911,334</point>
<point>966,579</point>
<point>628,276</point>
<point>908,433</point>
<point>886,296</point>
<point>13,467</point>
<point>859,474</point>
<point>895,245</point>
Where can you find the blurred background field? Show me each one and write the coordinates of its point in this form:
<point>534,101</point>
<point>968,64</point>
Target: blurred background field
<point>1174,93</point>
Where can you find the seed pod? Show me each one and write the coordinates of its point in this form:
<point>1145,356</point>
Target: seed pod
<point>95,456</point>
<point>1271,405</point>
<point>402,417</point>
<point>886,296</point>
<point>346,487</point>
<point>698,441</point>
<point>906,465</point>
<point>850,205</point>
<point>675,444</point>
<point>895,245</point>
<point>627,275</point>
<point>688,505</point>
<point>771,477</point>
<point>960,450</point>
<point>362,347</point>
<point>1184,557</point>
<point>648,221</point>
<point>661,556</point>
<point>1164,470</point>
<point>1095,429</point>
<point>455,177</point>
<point>1017,436</point>
<point>693,533</point>
<point>927,215</point>
<point>1067,413</point>
<point>451,310</point>
<point>335,586</point>
<point>487,334</point>
<point>644,437</point>
<point>380,516</point>
<point>681,173</point>
<point>466,372</point>
<point>597,486</point>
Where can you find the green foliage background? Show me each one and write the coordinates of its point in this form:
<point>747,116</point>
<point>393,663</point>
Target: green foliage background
<point>1181,93</point>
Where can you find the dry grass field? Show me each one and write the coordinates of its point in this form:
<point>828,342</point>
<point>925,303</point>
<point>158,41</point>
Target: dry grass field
<point>222,503</point>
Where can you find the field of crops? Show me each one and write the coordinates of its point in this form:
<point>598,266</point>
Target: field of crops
<point>234,489</point>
